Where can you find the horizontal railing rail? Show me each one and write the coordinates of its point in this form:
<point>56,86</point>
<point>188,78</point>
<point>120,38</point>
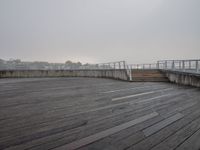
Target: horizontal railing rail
<point>112,65</point>
<point>109,65</point>
<point>192,65</point>
<point>143,66</point>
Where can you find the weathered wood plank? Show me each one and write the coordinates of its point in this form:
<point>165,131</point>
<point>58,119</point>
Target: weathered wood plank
<point>192,143</point>
<point>139,94</point>
<point>155,128</point>
<point>108,123</point>
<point>153,140</point>
<point>56,115</point>
<point>105,133</point>
<point>176,139</point>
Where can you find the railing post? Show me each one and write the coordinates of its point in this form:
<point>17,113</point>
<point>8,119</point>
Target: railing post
<point>119,65</point>
<point>166,64</point>
<point>183,67</point>
<point>189,64</point>
<point>157,65</point>
<point>130,74</point>
<point>179,65</point>
<point>124,64</point>
<point>197,66</point>
<point>173,66</point>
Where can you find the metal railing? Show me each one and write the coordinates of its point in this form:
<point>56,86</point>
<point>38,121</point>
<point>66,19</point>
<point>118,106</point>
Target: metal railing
<point>192,65</point>
<point>143,66</point>
<point>112,65</point>
<point>109,65</point>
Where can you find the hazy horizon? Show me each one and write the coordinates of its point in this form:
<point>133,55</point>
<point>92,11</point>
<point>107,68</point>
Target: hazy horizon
<point>96,31</point>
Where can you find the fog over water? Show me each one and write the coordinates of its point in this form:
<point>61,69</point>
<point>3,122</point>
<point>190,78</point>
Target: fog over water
<point>94,31</point>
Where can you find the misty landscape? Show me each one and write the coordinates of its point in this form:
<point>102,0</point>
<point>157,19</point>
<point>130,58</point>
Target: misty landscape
<point>17,64</point>
<point>99,74</point>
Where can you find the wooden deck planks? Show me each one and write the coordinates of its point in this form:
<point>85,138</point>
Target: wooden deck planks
<point>167,132</point>
<point>179,137</point>
<point>105,133</point>
<point>57,115</point>
<point>155,128</point>
<point>192,142</point>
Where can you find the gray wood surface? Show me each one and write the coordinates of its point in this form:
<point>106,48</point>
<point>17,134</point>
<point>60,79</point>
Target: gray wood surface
<point>155,128</point>
<point>54,113</point>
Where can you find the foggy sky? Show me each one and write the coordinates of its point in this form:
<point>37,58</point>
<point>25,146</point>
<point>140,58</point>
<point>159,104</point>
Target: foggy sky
<point>138,31</point>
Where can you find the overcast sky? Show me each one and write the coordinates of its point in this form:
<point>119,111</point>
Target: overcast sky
<point>138,31</point>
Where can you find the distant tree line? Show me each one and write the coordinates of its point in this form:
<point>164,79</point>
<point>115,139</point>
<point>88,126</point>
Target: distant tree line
<point>17,64</point>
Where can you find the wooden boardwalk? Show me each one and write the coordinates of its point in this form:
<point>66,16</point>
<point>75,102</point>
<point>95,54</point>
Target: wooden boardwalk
<point>97,114</point>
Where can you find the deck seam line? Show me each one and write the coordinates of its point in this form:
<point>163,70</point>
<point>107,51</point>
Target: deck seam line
<point>139,94</point>
<point>100,135</point>
<point>175,132</point>
<point>164,138</point>
<point>186,139</point>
